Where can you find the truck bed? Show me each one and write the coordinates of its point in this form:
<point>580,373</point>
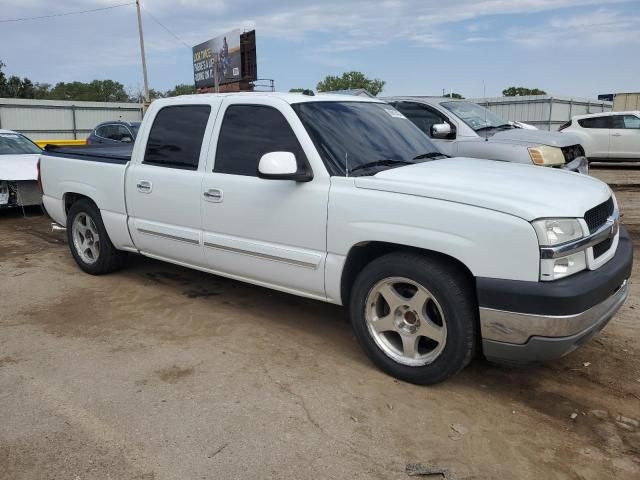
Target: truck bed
<point>120,154</point>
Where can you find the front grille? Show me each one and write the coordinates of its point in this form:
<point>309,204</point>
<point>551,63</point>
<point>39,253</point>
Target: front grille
<point>572,152</point>
<point>597,216</point>
<point>602,247</point>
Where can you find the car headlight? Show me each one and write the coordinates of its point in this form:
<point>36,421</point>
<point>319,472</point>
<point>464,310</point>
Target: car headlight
<point>546,155</point>
<point>554,231</point>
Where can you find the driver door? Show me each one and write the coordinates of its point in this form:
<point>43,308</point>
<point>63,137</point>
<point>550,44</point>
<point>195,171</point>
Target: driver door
<point>265,231</point>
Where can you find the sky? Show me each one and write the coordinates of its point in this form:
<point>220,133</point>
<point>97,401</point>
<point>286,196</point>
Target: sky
<point>578,48</point>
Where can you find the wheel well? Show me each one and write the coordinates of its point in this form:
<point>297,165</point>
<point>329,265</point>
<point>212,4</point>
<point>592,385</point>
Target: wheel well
<point>364,253</point>
<point>70,198</point>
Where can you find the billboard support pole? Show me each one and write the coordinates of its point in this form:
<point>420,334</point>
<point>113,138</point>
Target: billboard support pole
<point>144,61</point>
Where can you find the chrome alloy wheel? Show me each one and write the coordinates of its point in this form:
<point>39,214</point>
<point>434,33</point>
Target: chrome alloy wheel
<point>406,321</point>
<point>86,239</point>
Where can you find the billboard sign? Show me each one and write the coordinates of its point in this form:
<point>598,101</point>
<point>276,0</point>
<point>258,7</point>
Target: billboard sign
<point>219,55</point>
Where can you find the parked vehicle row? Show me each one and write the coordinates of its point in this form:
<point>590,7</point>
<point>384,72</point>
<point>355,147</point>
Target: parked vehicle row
<point>463,128</point>
<point>609,136</point>
<point>346,201</point>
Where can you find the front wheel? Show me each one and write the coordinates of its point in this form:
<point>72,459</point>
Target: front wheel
<point>415,316</point>
<point>88,240</point>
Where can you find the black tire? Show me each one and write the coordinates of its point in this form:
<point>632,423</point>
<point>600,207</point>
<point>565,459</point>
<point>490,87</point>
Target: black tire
<point>453,290</point>
<point>109,259</point>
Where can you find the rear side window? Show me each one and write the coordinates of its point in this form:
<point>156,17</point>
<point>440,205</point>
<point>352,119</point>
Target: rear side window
<point>594,122</point>
<point>176,136</point>
<point>632,122</point>
<point>250,131</point>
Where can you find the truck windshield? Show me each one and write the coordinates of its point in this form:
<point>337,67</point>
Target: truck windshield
<point>16,144</point>
<point>363,137</point>
<point>477,117</point>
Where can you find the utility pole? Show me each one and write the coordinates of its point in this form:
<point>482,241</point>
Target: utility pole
<point>144,61</point>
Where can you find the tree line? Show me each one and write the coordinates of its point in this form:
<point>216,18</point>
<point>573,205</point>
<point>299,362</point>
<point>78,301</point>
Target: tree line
<point>95,91</point>
<point>358,80</point>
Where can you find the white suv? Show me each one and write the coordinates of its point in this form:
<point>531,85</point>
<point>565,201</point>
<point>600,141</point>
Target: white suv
<point>609,136</point>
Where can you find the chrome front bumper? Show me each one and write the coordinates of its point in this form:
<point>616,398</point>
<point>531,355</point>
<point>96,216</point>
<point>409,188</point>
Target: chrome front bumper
<point>511,337</point>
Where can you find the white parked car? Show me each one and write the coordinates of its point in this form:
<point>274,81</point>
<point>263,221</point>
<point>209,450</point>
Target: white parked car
<point>18,170</point>
<point>344,200</point>
<point>609,136</point>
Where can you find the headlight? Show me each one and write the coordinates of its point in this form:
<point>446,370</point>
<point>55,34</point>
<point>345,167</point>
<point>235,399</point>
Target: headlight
<point>554,231</point>
<point>546,155</point>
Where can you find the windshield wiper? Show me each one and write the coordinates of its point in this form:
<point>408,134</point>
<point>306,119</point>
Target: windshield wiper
<point>381,163</point>
<point>430,155</point>
<point>494,127</point>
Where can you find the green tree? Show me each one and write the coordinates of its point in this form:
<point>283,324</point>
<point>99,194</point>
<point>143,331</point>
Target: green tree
<point>181,89</point>
<point>12,87</point>
<point>26,89</point>
<point>454,95</point>
<point>95,91</point>
<point>3,79</point>
<point>297,90</point>
<point>522,91</point>
<point>349,81</point>
<point>41,90</point>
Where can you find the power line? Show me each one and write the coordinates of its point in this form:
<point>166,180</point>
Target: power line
<point>24,19</point>
<point>166,29</point>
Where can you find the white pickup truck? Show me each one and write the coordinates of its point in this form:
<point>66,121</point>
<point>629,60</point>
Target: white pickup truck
<point>346,201</point>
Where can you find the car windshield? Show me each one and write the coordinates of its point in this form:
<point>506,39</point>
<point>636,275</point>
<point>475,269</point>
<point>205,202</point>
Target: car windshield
<point>475,116</point>
<point>16,144</point>
<point>363,137</point>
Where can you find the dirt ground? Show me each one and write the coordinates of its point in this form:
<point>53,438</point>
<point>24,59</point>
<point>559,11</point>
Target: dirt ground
<point>159,372</point>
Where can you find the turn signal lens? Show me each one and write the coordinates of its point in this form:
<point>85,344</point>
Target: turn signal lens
<point>546,155</point>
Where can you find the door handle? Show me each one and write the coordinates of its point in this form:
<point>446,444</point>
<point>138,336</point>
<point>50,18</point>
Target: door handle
<point>616,134</point>
<point>144,186</point>
<point>213,195</point>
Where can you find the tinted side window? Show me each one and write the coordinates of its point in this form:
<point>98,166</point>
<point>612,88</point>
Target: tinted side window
<point>631,121</point>
<point>594,122</point>
<point>424,117</point>
<point>176,136</point>
<point>250,131</point>
<point>106,131</point>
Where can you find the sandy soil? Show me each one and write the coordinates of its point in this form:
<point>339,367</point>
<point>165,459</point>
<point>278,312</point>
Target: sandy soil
<point>159,372</point>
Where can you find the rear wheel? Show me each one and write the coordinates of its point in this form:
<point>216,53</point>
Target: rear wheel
<point>88,240</point>
<point>415,317</point>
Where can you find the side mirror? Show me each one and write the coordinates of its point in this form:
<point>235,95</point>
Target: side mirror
<point>281,166</point>
<point>440,130</point>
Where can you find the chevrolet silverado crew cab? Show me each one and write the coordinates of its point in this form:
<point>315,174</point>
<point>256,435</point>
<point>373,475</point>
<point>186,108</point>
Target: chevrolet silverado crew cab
<point>465,129</point>
<point>347,201</point>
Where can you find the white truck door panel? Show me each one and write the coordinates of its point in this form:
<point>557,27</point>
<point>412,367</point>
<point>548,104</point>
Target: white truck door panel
<point>270,232</point>
<point>162,186</point>
<point>165,221</point>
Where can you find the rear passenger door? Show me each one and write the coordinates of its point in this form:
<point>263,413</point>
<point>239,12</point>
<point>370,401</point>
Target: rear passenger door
<point>163,187</point>
<point>270,232</point>
<point>625,137</point>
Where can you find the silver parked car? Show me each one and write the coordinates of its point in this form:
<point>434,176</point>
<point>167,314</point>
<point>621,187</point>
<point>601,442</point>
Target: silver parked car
<point>465,129</point>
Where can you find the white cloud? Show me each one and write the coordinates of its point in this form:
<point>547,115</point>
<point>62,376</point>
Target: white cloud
<point>599,28</point>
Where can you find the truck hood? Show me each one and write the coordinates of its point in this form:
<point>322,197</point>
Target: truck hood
<point>534,137</point>
<point>19,167</point>
<point>526,191</point>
